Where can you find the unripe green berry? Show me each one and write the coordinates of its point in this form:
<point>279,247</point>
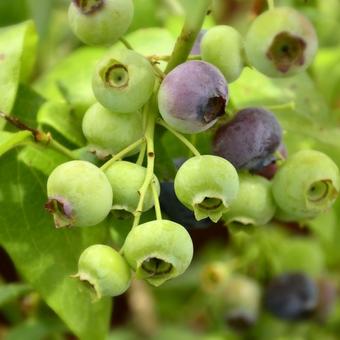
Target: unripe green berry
<point>158,250</point>
<point>281,42</point>
<point>105,270</point>
<point>254,203</point>
<point>222,46</point>
<point>239,298</point>
<point>123,81</point>
<point>100,21</point>
<point>207,185</point>
<point>79,194</point>
<point>110,132</point>
<point>306,184</point>
<point>126,179</point>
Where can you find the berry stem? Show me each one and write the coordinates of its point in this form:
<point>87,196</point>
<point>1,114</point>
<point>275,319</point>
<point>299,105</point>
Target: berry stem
<point>271,4</point>
<point>149,136</point>
<point>41,137</point>
<point>290,105</point>
<point>166,57</point>
<point>141,155</point>
<point>196,12</point>
<point>53,144</point>
<point>180,137</point>
<point>122,153</point>
<point>126,43</point>
<point>156,201</point>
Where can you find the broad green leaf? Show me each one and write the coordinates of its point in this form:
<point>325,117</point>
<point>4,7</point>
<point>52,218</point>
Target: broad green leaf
<point>12,12</point>
<point>10,292</point>
<point>26,106</point>
<point>70,80</point>
<point>9,140</point>
<point>41,157</point>
<point>17,57</point>
<point>326,70</point>
<point>150,41</point>
<point>59,116</point>
<point>45,256</point>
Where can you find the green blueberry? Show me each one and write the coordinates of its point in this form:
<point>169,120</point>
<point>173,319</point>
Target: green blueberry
<point>97,22</point>
<point>110,132</point>
<point>105,270</point>
<point>223,47</point>
<point>240,298</point>
<point>281,42</point>
<point>126,179</point>
<point>158,250</point>
<point>207,185</point>
<point>254,203</point>
<point>306,184</point>
<point>79,194</point>
<point>123,81</point>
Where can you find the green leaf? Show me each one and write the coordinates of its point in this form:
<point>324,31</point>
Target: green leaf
<point>150,41</point>
<point>10,140</point>
<point>70,80</point>
<point>45,256</point>
<point>26,106</point>
<point>326,70</point>
<point>59,116</point>
<point>10,292</point>
<point>41,158</point>
<point>17,56</point>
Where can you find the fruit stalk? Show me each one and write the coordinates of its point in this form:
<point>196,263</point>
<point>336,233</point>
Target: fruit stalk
<point>122,153</point>
<point>192,25</point>
<point>149,136</point>
<point>180,137</point>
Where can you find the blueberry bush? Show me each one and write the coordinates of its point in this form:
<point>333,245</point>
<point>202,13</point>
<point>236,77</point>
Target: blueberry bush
<point>169,168</point>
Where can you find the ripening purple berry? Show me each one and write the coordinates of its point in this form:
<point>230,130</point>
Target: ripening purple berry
<point>250,140</point>
<point>193,96</point>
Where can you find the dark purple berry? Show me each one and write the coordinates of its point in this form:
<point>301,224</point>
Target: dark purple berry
<point>176,211</point>
<point>250,140</point>
<point>270,170</point>
<point>291,296</point>
<point>193,96</point>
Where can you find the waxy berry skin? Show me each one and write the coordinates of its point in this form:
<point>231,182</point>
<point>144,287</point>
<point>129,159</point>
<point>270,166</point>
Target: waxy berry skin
<point>158,250</point>
<point>281,42</point>
<point>123,81</point>
<point>307,184</point>
<point>126,179</point>
<point>254,204</point>
<point>222,46</point>
<point>192,97</point>
<point>105,270</point>
<point>291,296</point>
<point>176,211</point>
<point>207,185</point>
<point>100,22</point>
<point>249,140</point>
<point>79,194</point>
<point>109,132</point>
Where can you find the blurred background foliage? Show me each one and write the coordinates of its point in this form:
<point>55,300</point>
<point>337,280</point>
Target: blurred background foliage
<point>185,308</point>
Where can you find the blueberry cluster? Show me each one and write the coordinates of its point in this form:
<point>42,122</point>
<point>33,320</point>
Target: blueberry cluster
<point>134,97</point>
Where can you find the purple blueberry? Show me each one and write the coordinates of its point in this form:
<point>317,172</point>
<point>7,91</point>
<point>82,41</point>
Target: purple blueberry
<point>193,96</point>
<point>270,170</point>
<point>250,140</point>
<point>291,296</point>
